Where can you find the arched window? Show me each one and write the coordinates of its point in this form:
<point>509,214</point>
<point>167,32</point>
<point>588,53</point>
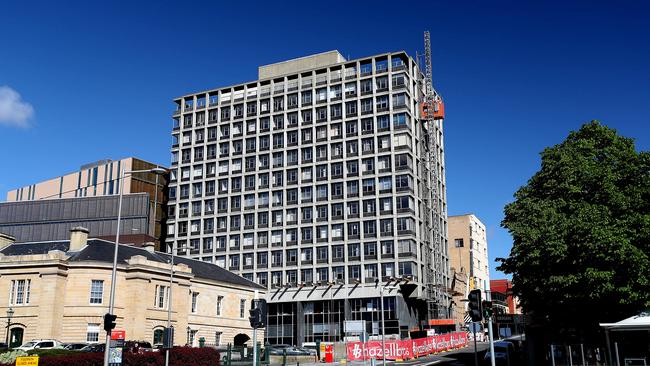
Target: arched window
<point>157,336</point>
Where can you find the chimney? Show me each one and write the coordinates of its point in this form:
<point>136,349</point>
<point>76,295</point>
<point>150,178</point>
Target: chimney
<point>6,240</point>
<point>78,238</point>
<point>149,247</point>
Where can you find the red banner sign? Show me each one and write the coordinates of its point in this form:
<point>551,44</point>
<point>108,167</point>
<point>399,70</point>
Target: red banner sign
<point>118,334</point>
<point>408,349</point>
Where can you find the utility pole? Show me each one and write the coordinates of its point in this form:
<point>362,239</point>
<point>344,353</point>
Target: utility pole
<point>255,336</point>
<point>383,329</point>
<point>488,295</point>
<point>475,348</point>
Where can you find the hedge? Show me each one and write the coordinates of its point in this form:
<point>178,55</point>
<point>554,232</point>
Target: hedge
<point>179,356</point>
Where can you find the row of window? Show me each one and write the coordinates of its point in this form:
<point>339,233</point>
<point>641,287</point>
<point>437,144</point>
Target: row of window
<point>292,120</point>
<point>264,181</point>
<point>337,274</point>
<point>353,166</point>
<point>351,108</point>
<point>303,136</point>
<point>305,155</point>
<point>161,298</point>
<point>322,233</point>
<point>322,254</point>
<point>398,80</point>
<point>351,209</point>
<point>20,293</point>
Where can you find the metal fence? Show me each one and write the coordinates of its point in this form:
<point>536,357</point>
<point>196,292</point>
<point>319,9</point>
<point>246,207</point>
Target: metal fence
<point>577,355</point>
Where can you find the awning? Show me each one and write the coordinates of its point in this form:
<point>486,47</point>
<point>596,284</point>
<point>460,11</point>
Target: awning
<point>637,322</point>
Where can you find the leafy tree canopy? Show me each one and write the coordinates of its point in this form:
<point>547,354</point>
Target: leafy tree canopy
<point>581,231</point>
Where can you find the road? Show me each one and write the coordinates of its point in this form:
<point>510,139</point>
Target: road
<point>459,357</point>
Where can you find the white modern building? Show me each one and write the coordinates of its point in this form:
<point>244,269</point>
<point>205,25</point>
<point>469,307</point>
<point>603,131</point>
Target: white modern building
<point>310,181</point>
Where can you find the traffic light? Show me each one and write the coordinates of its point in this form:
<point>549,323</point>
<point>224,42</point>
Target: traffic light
<point>487,309</point>
<point>168,337</point>
<point>109,322</point>
<point>254,318</point>
<point>474,305</point>
<point>258,313</point>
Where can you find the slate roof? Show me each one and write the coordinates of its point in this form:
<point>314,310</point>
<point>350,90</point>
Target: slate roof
<point>102,251</point>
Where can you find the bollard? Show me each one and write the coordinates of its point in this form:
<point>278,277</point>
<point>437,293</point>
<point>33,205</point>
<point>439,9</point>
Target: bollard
<point>267,353</point>
<point>284,357</point>
<point>228,355</point>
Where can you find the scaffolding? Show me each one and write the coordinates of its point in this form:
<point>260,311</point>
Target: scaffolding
<point>431,116</point>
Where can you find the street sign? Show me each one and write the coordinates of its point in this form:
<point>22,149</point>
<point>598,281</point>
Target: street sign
<point>27,361</point>
<point>115,357</point>
<point>116,345</point>
<point>354,326</point>
<point>505,318</point>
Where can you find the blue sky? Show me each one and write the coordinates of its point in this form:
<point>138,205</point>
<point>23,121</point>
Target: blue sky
<point>516,76</point>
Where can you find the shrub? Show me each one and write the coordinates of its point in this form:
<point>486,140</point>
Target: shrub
<point>51,352</point>
<point>9,357</point>
<point>179,356</point>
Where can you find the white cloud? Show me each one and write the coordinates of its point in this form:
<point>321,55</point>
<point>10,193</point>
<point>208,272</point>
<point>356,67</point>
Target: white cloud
<point>13,110</point>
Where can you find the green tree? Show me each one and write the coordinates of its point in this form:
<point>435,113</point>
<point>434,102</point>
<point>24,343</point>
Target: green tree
<point>581,232</point>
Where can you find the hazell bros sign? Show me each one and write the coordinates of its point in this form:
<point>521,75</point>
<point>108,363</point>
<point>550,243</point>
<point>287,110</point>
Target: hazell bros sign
<point>408,349</point>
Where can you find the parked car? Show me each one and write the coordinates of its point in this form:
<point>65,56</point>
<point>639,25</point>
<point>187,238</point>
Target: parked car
<point>309,351</point>
<point>290,351</point>
<point>98,347</point>
<point>39,344</point>
<point>137,347</point>
<point>503,353</point>
<point>74,346</point>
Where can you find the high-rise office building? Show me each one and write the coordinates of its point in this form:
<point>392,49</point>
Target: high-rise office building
<point>311,181</point>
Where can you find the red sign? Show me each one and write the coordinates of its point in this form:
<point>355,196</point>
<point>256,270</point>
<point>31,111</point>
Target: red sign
<point>408,349</point>
<point>118,335</point>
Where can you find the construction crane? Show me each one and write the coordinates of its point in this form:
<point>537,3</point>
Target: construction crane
<point>431,115</point>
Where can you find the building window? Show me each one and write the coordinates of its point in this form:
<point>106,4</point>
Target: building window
<point>219,305</point>
<point>195,296</point>
<point>158,337</point>
<point>161,296</point>
<point>217,338</point>
<point>242,308</point>
<point>458,243</point>
<point>20,290</point>
<point>96,291</point>
<point>92,333</point>
<point>191,334</point>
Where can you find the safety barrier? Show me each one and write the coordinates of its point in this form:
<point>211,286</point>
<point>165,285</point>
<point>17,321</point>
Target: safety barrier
<point>407,349</point>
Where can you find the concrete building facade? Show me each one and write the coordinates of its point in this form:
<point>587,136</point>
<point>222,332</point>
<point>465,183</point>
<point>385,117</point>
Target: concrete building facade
<point>309,181</point>
<point>89,198</point>
<point>60,289</point>
<point>468,258</point>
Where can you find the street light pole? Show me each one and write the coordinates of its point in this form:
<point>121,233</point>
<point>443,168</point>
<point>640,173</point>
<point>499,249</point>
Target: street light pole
<point>490,335</point>
<point>169,304</point>
<point>383,328</point>
<point>10,314</point>
<point>111,301</point>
